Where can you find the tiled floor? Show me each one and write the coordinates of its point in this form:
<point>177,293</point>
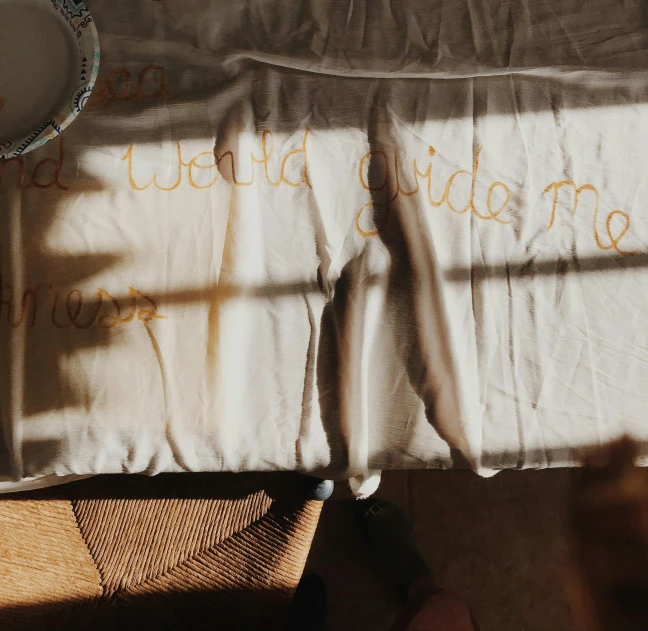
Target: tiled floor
<point>497,542</point>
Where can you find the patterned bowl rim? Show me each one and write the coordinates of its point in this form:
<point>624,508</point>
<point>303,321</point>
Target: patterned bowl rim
<point>78,18</point>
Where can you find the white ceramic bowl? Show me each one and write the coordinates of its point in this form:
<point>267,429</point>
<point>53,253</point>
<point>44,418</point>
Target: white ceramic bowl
<point>49,60</point>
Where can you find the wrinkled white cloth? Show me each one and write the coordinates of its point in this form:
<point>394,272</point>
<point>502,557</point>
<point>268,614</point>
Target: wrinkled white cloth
<point>333,236</point>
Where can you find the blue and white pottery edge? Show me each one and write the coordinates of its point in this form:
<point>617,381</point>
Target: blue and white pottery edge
<point>78,18</point>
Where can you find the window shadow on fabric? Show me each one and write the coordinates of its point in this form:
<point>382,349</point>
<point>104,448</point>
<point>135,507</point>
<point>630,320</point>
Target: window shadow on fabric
<point>209,111</point>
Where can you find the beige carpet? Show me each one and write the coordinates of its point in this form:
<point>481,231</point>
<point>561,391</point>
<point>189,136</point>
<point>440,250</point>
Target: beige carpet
<point>172,552</point>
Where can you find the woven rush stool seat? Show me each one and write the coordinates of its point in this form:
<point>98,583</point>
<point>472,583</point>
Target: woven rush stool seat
<point>188,551</point>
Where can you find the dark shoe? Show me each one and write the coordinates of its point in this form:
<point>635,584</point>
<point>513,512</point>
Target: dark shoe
<point>308,609</point>
<point>391,541</point>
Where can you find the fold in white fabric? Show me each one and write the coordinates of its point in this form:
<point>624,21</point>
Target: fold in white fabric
<point>333,237</point>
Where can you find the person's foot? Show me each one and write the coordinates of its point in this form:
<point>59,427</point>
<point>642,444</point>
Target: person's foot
<point>391,541</point>
<point>308,609</point>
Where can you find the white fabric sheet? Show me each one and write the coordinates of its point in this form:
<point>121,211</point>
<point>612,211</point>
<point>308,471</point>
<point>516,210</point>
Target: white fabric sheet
<point>334,236</point>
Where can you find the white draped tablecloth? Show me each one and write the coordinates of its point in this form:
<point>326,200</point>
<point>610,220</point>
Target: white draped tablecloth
<point>333,236</point>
